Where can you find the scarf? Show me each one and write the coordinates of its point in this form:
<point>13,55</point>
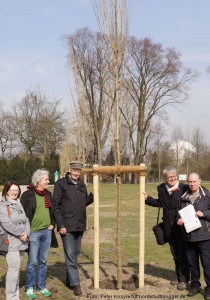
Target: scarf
<point>42,193</point>
<point>172,189</point>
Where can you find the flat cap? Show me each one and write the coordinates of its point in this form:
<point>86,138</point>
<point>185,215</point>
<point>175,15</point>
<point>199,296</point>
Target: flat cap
<point>76,165</point>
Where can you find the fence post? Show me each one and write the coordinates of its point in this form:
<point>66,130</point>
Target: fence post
<point>141,228</point>
<point>96,229</point>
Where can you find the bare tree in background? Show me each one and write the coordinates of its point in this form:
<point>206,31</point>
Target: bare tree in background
<point>7,139</point>
<point>113,20</point>
<point>51,129</point>
<point>38,124</point>
<point>87,55</point>
<point>155,79</point>
<point>25,120</point>
<point>198,141</point>
<point>176,148</point>
<point>158,133</point>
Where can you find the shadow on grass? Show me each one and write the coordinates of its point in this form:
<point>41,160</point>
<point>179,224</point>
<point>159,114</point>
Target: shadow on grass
<point>108,280</point>
<point>154,271</point>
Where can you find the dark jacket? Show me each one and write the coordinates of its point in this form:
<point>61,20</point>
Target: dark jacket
<point>69,204</point>
<point>28,201</point>
<point>170,205</point>
<point>202,204</point>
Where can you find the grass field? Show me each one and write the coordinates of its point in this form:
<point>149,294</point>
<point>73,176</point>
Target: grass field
<point>159,267</point>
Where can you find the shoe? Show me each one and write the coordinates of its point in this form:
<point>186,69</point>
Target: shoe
<point>181,286</point>
<point>77,290</point>
<point>207,297</point>
<point>44,292</point>
<point>30,293</point>
<point>193,292</point>
<point>174,282</point>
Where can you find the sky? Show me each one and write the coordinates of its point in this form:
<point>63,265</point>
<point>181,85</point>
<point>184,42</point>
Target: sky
<point>32,51</point>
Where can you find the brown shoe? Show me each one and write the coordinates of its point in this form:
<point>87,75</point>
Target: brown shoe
<point>181,286</point>
<point>77,290</point>
<point>174,282</point>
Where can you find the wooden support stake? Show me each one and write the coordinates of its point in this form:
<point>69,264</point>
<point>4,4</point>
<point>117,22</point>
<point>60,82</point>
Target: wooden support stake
<point>96,230</point>
<point>85,178</point>
<point>141,170</point>
<point>141,229</point>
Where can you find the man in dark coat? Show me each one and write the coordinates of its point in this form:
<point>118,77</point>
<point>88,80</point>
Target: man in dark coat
<point>169,194</point>
<point>198,240</point>
<point>70,199</point>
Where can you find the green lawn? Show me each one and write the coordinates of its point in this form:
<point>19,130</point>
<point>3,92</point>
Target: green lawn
<point>158,260</point>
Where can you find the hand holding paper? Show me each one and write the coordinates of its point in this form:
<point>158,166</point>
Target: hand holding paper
<point>188,215</point>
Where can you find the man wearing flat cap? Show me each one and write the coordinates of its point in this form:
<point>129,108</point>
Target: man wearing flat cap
<point>70,199</point>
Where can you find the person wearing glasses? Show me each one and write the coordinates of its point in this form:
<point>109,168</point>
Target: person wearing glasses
<point>14,234</point>
<point>197,241</point>
<point>169,194</point>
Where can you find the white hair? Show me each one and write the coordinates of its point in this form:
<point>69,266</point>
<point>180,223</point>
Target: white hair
<point>38,175</point>
<point>169,170</point>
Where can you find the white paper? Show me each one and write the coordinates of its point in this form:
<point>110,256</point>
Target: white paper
<point>191,221</point>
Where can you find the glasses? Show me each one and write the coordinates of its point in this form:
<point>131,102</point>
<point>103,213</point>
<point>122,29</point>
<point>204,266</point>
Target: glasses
<point>171,177</point>
<point>13,190</point>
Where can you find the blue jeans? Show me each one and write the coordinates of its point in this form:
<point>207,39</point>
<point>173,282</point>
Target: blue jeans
<point>36,269</point>
<point>72,245</point>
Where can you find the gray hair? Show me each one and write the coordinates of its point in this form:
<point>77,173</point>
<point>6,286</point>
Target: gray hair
<point>38,175</point>
<point>169,170</point>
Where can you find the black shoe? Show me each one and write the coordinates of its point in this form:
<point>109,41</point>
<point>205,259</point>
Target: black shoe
<point>193,292</point>
<point>69,287</point>
<point>77,290</point>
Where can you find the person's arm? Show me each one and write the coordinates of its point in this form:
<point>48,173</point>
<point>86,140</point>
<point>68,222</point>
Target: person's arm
<point>24,201</point>
<point>26,233</point>
<point>56,207</point>
<point>89,199</point>
<point>206,213</point>
<point>52,218</point>
<point>151,201</point>
<point>7,225</point>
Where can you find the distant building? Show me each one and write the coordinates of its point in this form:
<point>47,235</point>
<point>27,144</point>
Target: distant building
<point>182,148</point>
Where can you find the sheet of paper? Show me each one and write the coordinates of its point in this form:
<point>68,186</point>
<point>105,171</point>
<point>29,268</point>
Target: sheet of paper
<point>191,221</point>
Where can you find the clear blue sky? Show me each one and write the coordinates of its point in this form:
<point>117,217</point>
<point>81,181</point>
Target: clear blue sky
<point>32,53</point>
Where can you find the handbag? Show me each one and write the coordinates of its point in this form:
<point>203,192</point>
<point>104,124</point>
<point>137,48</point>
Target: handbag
<point>4,242</point>
<point>158,230</point>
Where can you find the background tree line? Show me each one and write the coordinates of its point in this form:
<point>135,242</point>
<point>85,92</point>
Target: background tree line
<point>37,132</point>
<point>31,134</point>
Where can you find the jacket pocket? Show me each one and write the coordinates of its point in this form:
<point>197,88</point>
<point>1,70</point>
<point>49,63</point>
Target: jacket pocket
<point>207,226</point>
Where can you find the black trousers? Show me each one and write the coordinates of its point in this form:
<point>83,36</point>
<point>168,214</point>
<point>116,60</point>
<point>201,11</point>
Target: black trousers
<point>194,251</point>
<point>178,251</point>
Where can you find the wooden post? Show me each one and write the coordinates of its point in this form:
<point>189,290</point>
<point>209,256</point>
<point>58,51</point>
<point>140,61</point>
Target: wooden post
<point>85,178</point>
<point>141,228</point>
<point>96,229</point>
<point>116,170</point>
